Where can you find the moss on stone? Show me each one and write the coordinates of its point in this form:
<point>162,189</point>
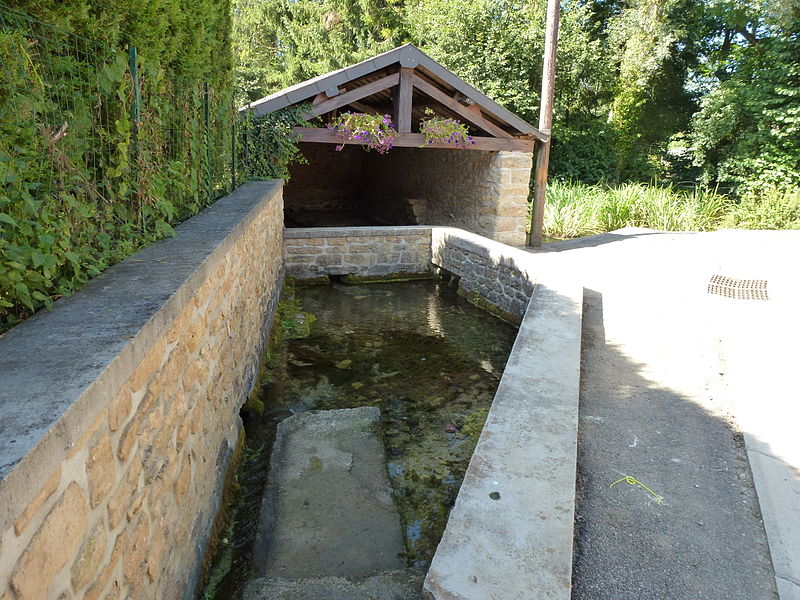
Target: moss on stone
<point>319,280</point>
<point>389,277</point>
<point>482,303</point>
<point>218,556</point>
<point>289,322</point>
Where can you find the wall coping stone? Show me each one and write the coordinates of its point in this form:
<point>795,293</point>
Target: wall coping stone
<point>510,533</point>
<point>340,232</point>
<point>60,368</point>
<point>501,254</point>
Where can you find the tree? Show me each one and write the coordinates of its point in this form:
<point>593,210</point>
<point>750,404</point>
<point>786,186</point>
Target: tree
<point>747,132</point>
<point>278,43</point>
<point>497,46</point>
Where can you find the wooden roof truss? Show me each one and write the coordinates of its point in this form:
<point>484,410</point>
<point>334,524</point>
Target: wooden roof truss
<point>404,82</point>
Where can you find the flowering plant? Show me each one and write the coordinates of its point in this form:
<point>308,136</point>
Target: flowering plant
<point>372,131</point>
<point>445,131</point>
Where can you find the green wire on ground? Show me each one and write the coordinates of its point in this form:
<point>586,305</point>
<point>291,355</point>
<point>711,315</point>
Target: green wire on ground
<point>633,481</point>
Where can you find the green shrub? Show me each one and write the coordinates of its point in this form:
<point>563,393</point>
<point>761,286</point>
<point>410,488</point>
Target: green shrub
<point>269,144</point>
<point>81,185</point>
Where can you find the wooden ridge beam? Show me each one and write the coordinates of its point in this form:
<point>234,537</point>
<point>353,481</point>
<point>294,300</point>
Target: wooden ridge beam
<point>417,140</point>
<point>469,114</point>
<point>352,96</point>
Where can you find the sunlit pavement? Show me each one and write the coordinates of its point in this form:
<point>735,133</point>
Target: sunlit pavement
<point>671,374</point>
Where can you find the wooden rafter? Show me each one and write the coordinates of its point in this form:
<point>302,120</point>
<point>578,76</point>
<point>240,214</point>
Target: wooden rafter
<point>352,96</point>
<point>364,108</point>
<point>460,109</point>
<point>319,98</point>
<point>417,140</point>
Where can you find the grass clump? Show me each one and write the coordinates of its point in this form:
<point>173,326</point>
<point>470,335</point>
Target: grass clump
<point>578,209</point>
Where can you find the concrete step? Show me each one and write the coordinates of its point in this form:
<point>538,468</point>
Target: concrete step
<point>389,585</point>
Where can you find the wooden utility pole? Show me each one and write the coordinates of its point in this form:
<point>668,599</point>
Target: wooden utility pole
<point>545,123</point>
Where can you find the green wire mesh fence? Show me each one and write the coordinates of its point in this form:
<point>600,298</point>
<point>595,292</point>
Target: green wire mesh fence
<point>100,153</point>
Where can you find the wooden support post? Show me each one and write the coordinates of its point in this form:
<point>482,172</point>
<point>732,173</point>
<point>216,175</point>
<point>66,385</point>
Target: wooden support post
<point>545,125</point>
<point>403,99</point>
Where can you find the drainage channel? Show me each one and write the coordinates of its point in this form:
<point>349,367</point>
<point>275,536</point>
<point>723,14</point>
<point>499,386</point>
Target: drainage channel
<point>426,363</point>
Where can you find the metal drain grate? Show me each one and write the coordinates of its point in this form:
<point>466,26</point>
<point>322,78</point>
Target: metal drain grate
<point>741,289</point>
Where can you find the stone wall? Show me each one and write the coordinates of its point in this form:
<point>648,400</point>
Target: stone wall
<point>331,180</point>
<point>482,192</point>
<point>490,273</point>
<point>359,251</point>
<point>488,270</point>
<point>119,409</point>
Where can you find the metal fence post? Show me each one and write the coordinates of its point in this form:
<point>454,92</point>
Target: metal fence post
<point>136,116</point>
<point>246,141</point>
<point>133,66</point>
<point>206,112</point>
<point>233,154</point>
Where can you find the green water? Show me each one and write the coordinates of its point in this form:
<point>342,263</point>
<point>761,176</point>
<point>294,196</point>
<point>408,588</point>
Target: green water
<point>427,358</point>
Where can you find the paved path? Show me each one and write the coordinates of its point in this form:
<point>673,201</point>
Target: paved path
<point>659,405</point>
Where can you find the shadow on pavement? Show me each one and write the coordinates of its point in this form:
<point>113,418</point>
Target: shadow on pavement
<point>697,531</point>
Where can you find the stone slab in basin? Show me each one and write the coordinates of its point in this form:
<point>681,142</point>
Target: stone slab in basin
<point>389,585</point>
<point>328,509</point>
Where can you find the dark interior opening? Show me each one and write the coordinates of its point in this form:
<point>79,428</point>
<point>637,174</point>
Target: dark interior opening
<point>406,186</point>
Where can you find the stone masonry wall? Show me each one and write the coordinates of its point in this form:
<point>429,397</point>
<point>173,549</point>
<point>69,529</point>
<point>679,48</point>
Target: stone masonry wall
<point>360,251</point>
<point>498,274</point>
<point>119,410</point>
<point>331,180</point>
<point>482,192</point>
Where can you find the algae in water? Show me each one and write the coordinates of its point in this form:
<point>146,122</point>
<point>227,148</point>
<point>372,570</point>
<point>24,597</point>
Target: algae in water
<point>426,357</point>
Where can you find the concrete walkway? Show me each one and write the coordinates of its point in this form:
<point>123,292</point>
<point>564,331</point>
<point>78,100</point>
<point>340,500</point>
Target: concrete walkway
<point>671,378</point>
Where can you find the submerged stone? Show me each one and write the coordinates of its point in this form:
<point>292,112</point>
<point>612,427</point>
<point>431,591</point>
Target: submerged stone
<point>328,509</point>
<point>390,585</point>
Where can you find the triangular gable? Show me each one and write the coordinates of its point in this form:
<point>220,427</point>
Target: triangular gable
<point>355,83</point>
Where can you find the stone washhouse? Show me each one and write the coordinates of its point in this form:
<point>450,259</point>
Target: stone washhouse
<point>482,188</point>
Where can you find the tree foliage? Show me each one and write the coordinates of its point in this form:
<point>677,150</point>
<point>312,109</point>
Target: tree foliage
<point>644,88</point>
<point>279,43</point>
<point>746,134</point>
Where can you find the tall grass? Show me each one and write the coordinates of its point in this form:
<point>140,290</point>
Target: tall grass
<point>577,209</point>
<point>766,209</point>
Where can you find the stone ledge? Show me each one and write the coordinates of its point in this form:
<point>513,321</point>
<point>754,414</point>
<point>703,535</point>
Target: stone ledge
<point>60,368</point>
<point>497,252</point>
<point>340,232</point>
<point>510,534</point>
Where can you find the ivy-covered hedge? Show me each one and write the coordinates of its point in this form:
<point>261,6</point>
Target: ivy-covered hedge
<point>82,185</point>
